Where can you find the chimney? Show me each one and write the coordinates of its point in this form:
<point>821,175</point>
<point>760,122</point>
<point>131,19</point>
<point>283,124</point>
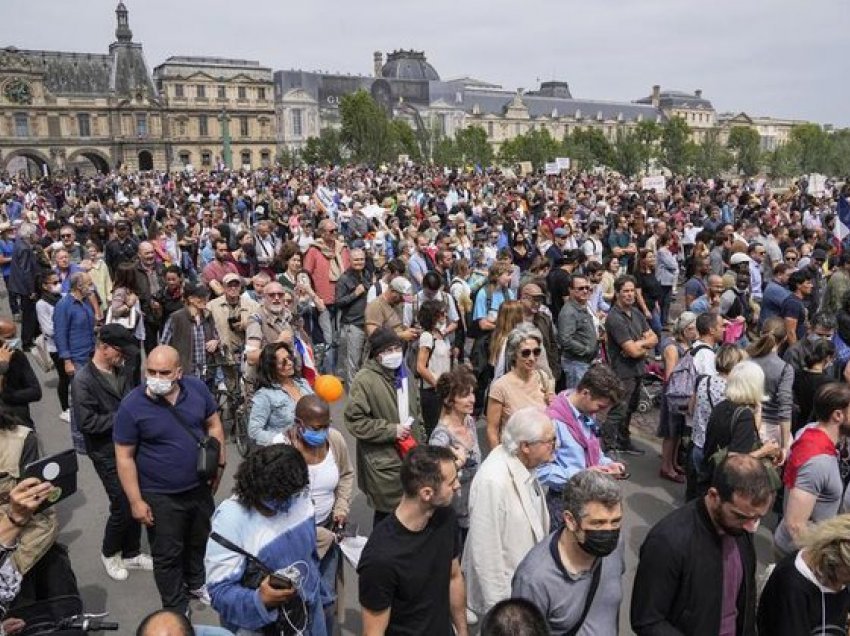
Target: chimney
<point>698,93</point>
<point>378,59</point>
<point>656,95</point>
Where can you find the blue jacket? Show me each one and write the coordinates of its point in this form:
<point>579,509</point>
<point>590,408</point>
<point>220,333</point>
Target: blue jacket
<point>273,412</point>
<point>73,329</point>
<point>24,269</point>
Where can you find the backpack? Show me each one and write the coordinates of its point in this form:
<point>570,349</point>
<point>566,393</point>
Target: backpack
<point>472,328</point>
<point>683,381</point>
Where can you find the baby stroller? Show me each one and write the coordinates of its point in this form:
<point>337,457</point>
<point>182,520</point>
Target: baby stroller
<point>651,388</point>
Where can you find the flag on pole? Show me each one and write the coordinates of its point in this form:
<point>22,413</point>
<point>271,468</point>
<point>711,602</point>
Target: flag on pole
<point>308,363</point>
<point>842,223</point>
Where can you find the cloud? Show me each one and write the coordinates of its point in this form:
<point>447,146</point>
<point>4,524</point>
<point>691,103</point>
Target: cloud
<point>765,57</point>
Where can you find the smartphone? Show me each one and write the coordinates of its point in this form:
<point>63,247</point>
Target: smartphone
<point>14,344</point>
<point>279,582</point>
<point>60,470</point>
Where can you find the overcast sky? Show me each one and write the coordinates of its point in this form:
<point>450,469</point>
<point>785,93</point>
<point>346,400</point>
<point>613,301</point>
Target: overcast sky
<point>779,58</point>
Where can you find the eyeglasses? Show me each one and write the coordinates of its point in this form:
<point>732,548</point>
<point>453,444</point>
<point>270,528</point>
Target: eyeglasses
<point>275,294</point>
<point>583,288</point>
<point>533,299</point>
<point>284,362</point>
<point>791,258</point>
<point>525,353</point>
<point>552,441</point>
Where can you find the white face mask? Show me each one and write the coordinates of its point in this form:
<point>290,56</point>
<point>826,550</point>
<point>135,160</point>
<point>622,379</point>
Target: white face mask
<point>159,386</point>
<point>57,288</point>
<point>441,326</point>
<point>391,360</point>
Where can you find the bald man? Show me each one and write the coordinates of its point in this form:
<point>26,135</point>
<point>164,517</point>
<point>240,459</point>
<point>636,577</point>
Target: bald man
<point>157,430</point>
<point>149,281</point>
<point>19,386</point>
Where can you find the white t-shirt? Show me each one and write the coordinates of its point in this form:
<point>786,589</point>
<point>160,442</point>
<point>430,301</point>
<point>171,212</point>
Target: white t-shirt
<point>324,478</point>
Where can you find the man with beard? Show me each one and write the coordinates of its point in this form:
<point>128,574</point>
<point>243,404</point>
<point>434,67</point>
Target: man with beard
<point>148,285</point>
<point>221,266</point>
<point>696,573</point>
<point>271,323</point>
<point>575,575</point>
<point>812,478</point>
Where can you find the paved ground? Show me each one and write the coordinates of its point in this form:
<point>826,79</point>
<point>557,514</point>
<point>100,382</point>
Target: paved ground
<point>83,515</point>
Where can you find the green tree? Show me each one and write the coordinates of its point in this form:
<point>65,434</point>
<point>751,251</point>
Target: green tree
<point>648,133</point>
<point>446,153</point>
<point>674,150</point>
<point>366,129</point>
<point>839,142</point>
<point>326,149</point>
<point>745,142</point>
<point>588,148</point>
<point>285,157</point>
<point>405,139</point>
<point>627,153</point>
<point>711,158</point>
<point>784,161</point>
<point>473,147</point>
<point>814,145</point>
<point>537,146</point>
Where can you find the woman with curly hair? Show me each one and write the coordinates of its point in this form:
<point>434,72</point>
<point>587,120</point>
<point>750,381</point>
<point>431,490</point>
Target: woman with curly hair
<point>456,430</point>
<point>280,386</point>
<point>271,517</point>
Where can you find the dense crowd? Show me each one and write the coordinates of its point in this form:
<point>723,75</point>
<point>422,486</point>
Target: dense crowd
<point>545,310</point>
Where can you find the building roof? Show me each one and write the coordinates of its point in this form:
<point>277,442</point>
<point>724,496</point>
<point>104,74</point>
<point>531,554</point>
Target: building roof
<point>408,65</point>
<point>679,99</point>
<point>69,73</point>
<point>487,102</point>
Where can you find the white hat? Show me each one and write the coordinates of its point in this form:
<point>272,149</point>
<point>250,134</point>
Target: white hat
<point>739,258</point>
<point>401,285</point>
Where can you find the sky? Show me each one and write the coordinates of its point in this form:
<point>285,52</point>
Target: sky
<point>778,58</point>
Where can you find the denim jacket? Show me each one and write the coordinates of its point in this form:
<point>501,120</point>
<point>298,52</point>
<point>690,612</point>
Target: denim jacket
<point>273,412</point>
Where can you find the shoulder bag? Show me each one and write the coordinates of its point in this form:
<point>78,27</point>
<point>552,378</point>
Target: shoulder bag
<point>209,448</point>
<point>591,593</point>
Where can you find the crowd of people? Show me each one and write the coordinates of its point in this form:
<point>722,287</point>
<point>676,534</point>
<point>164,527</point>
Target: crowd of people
<point>541,310</point>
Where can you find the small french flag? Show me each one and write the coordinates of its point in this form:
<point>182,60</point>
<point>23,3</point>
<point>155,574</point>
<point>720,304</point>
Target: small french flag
<point>308,363</point>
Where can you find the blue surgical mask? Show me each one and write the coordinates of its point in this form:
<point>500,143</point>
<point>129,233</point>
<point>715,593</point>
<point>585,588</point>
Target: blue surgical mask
<point>277,506</point>
<point>314,438</point>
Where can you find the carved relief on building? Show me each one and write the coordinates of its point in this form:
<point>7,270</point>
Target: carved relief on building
<point>18,91</point>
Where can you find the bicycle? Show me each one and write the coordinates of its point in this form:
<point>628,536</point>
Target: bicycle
<point>232,407</point>
<point>62,615</point>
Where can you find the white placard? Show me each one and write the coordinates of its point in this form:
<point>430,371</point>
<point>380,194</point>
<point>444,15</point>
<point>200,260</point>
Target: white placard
<point>659,183</point>
<point>552,168</point>
<point>563,163</point>
<point>817,185</point>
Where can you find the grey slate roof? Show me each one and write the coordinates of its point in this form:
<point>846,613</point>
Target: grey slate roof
<point>72,73</point>
<point>678,99</point>
<point>408,65</point>
<point>496,102</point>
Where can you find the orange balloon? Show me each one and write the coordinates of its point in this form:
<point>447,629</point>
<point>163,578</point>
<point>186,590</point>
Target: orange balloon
<point>328,387</point>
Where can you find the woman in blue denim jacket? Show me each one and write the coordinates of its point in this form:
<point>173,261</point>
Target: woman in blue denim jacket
<point>280,387</point>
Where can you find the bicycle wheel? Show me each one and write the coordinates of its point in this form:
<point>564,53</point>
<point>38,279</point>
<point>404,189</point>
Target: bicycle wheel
<point>239,432</point>
<point>222,398</point>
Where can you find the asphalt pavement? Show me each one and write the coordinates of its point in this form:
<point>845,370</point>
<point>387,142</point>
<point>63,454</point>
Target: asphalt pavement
<point>83,516</point>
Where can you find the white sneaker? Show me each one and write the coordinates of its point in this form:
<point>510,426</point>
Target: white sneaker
<point>115,567</point>
<point>471,617</point>
<point>202,595</point>
<point>65,416</point>
<point>139,562</point>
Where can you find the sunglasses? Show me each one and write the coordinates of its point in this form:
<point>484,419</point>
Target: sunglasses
<point>525,353</point>
<point>582,288</point>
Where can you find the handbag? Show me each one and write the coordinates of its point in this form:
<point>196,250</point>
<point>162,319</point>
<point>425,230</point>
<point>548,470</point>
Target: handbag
<point>720,454</point>
<point>41,355</point>
<point>404,446</point>
<point>209,448</point>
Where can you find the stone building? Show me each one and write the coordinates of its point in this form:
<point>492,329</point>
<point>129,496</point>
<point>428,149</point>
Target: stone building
<point>66,111</point>
<point>697,111</point>
<point>203,94</point>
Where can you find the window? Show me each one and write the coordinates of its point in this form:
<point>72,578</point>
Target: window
<point>142,125</point>
<point>206,158</point>
<point>22,125</point>
<point>489,128</point>
<point>261,94</point>
<point>84,124</point>
<point>265,158</point>
<point>185,158</point>
<point>178,91</point>
<point>222,91</point>
<point>203,126</point>
<point>296,122</point>
<point>201,91</point>
<point>241,92</point>
<point>243,126</point>
<point>246,157</point>
<point>441,123</point>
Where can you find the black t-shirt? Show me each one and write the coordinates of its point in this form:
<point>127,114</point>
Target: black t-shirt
<point>806,384</point>
<point>558,281</point>
<point>650,288</point>
<point>620,327</point>
<point>737,434</point>
<point>409,573</point>
<point>791,605</point>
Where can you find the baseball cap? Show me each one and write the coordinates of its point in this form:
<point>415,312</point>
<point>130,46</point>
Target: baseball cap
<point>120,337</point>
<point>401,285</point>
<point>231,277</point>
<point>819,255</point>
<point>561,232</point>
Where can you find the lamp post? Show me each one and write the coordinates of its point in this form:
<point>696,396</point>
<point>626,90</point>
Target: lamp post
<point>226,153</point>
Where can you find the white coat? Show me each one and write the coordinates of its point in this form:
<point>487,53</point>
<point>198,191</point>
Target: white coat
<point>506,520</point>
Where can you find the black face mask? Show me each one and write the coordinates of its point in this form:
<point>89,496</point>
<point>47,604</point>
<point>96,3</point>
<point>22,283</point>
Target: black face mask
<point>600,543</point>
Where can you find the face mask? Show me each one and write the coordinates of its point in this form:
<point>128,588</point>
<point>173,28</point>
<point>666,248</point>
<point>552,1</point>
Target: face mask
<point>314,438</point>
<point>391,360</point>
<point>441,326</point>
<point>159,386</point>
<point>600,543</point>
<point>277,506</point>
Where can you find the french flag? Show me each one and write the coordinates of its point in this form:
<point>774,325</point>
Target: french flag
<point>308,363</point>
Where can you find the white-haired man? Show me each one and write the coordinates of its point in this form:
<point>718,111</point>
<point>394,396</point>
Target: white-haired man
<point>507,509</point>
